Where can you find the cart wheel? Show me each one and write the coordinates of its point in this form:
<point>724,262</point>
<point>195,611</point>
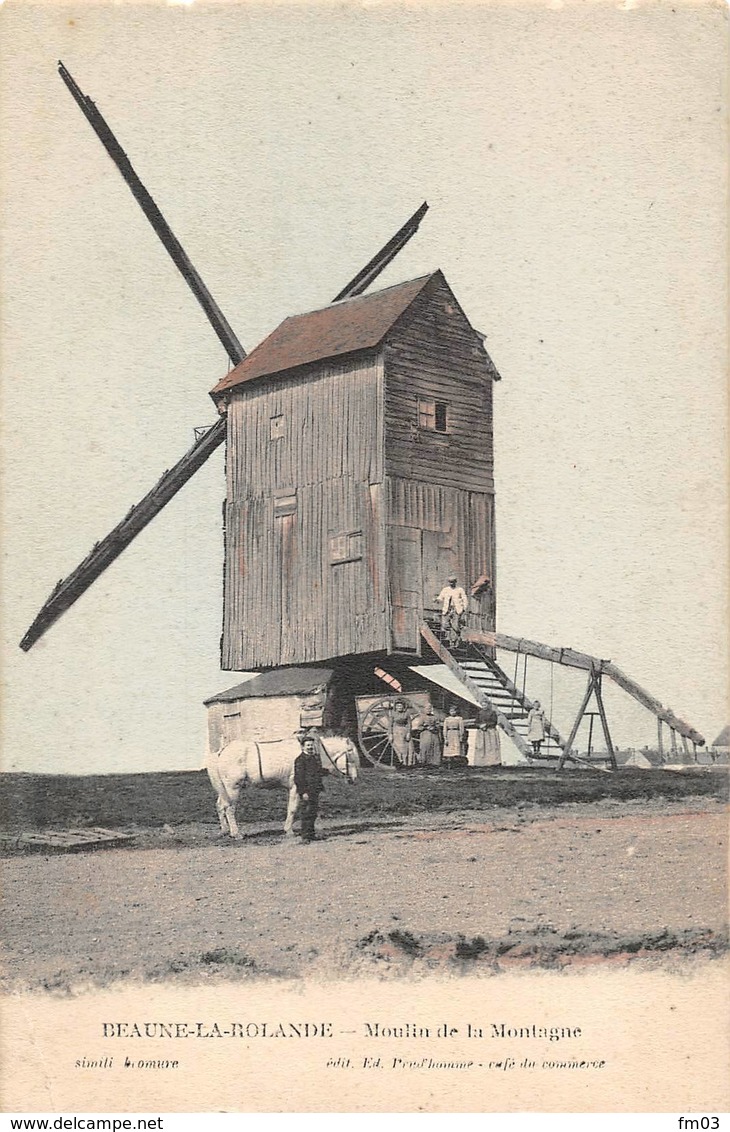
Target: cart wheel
<point>374,732</point>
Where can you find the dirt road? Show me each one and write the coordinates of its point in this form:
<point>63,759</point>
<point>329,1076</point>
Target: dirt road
<point>419,890</point>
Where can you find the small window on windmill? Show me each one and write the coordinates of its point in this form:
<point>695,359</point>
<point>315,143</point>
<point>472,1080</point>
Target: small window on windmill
<point>346,547</point>
<point>426,414</point>
<point>276,426</point>
<point>284,505</point>
<point>433,416</point>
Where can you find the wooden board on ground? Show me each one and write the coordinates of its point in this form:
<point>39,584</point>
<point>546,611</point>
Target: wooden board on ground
<point>68,840</point>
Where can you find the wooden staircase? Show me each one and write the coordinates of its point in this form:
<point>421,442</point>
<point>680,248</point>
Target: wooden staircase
<point>480,673</point>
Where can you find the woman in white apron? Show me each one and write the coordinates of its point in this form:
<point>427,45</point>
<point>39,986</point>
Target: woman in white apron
<point>453,729</point>
<point>536,727</point>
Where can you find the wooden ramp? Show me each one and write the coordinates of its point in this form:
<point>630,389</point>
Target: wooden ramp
<point>473,661</point>
<point>597,668</point>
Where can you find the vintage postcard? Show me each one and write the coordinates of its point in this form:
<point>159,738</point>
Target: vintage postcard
<point>365,710</point>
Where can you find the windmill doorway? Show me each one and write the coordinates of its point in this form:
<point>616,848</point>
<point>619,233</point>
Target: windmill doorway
<point>420,562</point>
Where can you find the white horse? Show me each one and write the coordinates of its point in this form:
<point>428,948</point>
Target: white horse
<point>247,762</point>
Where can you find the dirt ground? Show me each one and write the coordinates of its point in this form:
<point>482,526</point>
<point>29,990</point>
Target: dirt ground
<point>385,896</point>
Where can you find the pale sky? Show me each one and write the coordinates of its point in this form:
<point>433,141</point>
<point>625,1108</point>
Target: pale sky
<point>574,161</point>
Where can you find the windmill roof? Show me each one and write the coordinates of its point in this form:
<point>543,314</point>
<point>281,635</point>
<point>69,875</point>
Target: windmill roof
<point>277,682</point>
<point>341,328</point>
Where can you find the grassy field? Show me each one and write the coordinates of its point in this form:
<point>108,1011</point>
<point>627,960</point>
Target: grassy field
<point>134,801</point>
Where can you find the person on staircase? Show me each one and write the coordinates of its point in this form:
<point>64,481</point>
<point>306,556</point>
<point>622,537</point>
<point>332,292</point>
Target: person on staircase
<point>454,604</point>
<point>536,727</point>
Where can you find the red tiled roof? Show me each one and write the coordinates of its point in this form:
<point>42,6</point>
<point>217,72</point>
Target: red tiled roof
<point>353,324</point>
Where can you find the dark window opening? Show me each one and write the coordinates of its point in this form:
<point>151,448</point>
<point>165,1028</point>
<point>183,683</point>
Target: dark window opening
<point>433,416</point>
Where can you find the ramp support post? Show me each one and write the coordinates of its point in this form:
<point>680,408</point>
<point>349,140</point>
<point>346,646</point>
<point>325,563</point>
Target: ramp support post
<point>594,686</point>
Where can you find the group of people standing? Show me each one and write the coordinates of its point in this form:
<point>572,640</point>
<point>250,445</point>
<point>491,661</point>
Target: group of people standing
<point>429,739</point>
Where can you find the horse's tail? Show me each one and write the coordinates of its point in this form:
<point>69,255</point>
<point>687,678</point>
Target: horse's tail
<point>214,774</point>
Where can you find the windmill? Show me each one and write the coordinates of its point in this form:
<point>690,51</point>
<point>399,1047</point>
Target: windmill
<point>359,476</point>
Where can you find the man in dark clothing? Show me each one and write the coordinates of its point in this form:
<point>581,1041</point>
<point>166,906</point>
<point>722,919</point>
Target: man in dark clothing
<point>308,775</point>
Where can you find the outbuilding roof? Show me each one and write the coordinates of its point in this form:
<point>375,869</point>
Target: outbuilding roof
<point>277,682</point>
<point>341,328</point>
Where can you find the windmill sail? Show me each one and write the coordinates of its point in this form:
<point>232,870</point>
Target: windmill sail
<point>378,263</point>
<point>214,314</point>
<point>136,519</point>
<point>69,589</point>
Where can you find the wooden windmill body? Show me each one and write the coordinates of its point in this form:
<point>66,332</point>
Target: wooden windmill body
<point>359,476</point>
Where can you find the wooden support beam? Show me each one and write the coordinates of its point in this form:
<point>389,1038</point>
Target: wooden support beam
<point>651,703</point>
<point>574,659</point>
<point>604,721</point>
<point>574,729</point>
<point>570,657</point>
<point>660,738</point>
<point>673,740</point>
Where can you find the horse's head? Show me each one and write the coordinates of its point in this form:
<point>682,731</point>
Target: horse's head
<point>341,754</point>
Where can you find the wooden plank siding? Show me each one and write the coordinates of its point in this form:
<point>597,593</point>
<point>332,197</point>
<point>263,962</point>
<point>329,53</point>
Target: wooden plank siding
<point>332,414</point>
<point>433,354</point>
<point>456,535</point>
<point>285,601</point>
